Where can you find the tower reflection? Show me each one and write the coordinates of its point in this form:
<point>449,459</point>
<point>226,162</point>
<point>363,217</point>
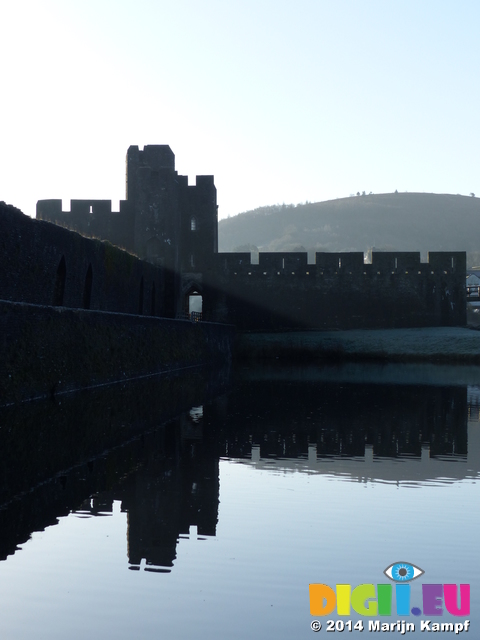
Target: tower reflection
<point>164,470</point>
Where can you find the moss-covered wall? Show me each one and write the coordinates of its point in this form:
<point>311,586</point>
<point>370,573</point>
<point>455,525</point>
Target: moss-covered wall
<point>47,350</point>
<point>43,263</point>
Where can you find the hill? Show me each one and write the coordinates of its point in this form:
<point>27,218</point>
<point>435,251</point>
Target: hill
<point>389,222</point>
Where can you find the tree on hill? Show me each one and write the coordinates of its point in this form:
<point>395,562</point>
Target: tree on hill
<point>400,222</point>
<point>246,247</point>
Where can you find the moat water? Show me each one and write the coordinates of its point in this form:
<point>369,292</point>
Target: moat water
<point>203,507</point>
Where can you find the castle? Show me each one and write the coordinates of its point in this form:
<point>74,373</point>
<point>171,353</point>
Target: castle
<point>173,225</point>
<point>163,221</point>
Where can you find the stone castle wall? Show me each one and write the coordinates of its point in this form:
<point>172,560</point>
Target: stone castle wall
<point>46,264</point>
<point>46,351</point>
<point>167,222</point>
<point>339,291</point>
<point>93,218</point>
<point>77,313</point>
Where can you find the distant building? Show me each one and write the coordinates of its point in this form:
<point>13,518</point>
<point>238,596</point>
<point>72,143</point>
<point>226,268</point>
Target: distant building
<point>473,284</point>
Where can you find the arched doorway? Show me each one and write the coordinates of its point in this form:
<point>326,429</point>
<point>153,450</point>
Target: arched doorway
<point>194,305</point>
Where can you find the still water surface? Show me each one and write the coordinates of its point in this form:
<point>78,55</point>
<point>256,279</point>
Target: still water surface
<point>213,524</point>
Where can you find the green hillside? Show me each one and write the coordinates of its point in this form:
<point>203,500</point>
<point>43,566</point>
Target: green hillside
<point>394,222</point>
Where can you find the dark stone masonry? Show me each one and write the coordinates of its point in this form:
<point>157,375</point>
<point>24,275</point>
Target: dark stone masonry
<point>168,223</point>
<point>98,296</point>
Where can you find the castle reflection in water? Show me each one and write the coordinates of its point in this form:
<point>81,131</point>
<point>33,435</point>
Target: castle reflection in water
<point>156,448</point>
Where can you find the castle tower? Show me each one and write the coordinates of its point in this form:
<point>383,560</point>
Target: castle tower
<point>199,224</point>
<point>152,187</point>
<point>175,225</point>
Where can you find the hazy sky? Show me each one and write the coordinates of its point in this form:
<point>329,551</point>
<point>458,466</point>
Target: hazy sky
<point>282,101</point>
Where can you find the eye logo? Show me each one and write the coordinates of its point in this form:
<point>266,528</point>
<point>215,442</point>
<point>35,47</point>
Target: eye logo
<point>403,572</point>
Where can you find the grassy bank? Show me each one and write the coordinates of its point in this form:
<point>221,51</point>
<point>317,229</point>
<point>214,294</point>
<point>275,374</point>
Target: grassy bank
<point>442,344</point>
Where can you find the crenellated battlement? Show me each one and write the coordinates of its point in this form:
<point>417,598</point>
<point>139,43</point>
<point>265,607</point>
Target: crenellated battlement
<point>347,263</point>
<point>55,267</point>
<point>80,208</point>
<point>340,290</point>
<point>92,218</point>
<point>168,222</point>
<point>154,156</point>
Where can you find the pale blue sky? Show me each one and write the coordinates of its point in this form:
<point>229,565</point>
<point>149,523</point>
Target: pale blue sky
<point>281,101</point>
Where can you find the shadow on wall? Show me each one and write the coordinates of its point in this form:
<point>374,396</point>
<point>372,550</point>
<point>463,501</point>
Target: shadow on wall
<point>46,264</point>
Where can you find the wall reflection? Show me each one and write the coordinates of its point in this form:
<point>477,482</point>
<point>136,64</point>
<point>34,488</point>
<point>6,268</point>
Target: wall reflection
<point>155,447</point>
<point>55,456</point>
<point>174,486</point>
